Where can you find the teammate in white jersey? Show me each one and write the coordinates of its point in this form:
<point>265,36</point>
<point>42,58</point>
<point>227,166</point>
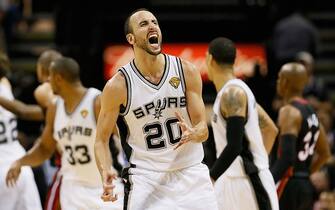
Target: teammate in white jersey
<point>36,112</point>
<point>24,196</point>
<point>71,122</point>
<point>241,174</point>
<point>157,104</point>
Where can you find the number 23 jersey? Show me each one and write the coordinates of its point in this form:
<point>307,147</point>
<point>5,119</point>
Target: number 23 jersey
<point>148,124</point>
<point>75,133</point>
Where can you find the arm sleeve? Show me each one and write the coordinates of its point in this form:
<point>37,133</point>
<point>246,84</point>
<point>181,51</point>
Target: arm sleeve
<point>287,157</point>
<point>235,133</point>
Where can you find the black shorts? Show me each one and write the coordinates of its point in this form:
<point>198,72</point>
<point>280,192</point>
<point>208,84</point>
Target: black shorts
<point>297,195</point>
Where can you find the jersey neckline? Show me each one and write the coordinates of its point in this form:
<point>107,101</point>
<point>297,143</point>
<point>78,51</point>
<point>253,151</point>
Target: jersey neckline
<point>146,81</point>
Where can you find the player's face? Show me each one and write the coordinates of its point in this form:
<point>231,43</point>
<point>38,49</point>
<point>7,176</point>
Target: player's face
<point>39,73</point>
<point>146,32</point>
<point>53,82</point>
<point>209,69</point>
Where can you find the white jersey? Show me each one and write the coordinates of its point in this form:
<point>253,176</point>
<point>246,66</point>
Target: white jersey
<point>148,124</point>
<point>76,134</point>
<point>253,157</point>
<point>10,148</point>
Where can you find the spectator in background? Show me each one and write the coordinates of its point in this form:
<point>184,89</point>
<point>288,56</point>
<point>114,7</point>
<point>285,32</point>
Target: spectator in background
<point>294,34</point>
<point>326,201</point>
<point>315,91</point>
<point>324,179</point>
<point>327,120</point>
<point>324,184</point>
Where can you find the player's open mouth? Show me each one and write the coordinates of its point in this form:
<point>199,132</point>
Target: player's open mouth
<point>153,40</point>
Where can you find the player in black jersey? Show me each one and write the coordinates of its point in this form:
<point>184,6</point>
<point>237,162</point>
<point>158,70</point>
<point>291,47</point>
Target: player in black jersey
<point>301,137</point>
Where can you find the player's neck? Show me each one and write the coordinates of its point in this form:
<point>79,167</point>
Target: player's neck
<point>292,96</point>
<point>221,78</point>
<point>73,95</point>
<point>150,66</point>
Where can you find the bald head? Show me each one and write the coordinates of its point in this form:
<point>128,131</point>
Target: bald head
<point>294,75</point>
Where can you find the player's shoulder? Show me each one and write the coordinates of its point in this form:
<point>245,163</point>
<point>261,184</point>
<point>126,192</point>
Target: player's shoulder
<point>44,94</point>
<point>115,88</point>
<point>4,81</point>
<point>233,92</point>
<point>188,67</point>
<point>118,81</point>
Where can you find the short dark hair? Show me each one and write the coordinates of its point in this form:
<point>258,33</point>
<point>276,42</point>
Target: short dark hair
<point>127,28</point>
<point>47,57</point>
<point>4,64</point>
<point>67,67</point>
<point>223,50</point>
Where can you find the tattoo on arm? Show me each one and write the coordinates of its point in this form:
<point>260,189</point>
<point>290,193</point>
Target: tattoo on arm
<point>234,102</point>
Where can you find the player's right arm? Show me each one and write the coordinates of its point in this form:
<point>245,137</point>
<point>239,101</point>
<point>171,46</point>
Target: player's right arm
<point>268,128</point>
<point>22,110</point>
<point>233,107</point>
<point>322,151</point>
<point>113,96</point>
<point>289,123</point>
<point>42,150</point>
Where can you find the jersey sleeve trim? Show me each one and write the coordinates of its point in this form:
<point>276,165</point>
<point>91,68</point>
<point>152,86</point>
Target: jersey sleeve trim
<point>125,109</point>
<point>181,74</point>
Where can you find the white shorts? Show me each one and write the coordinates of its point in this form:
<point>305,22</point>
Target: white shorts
<point>24,196</point>
<point>237,193</point>
<point>185,189</point>
<point>75,196</point>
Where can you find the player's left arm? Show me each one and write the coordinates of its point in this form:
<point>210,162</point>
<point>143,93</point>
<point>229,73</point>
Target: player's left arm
<point>322,151</point>
<point>268,129</point>
<point>289,123</point>
<point>233,106</point>
<point>198,131</point>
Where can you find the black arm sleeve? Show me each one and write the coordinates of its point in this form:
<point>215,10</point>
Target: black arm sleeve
<point>235,133</point>
<point>288,152</point>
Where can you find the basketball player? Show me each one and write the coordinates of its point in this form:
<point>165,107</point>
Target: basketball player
<point>301,137</point>
<point>70,122</point>
<point>241,174</point>
<point>43,95</point>
<point>157,104</point>
<point>25,194</point>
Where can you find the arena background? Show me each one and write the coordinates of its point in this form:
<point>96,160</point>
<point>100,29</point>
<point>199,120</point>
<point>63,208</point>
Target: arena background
<point>92,33</point>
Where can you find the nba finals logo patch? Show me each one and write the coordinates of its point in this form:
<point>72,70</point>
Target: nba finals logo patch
<point>84,113</point>
<point>174,82</point>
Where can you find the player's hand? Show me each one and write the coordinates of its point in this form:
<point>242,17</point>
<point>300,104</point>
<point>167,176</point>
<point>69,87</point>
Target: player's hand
<point>186,130</point>
<point>108,187</point>
<point>13,174</point>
